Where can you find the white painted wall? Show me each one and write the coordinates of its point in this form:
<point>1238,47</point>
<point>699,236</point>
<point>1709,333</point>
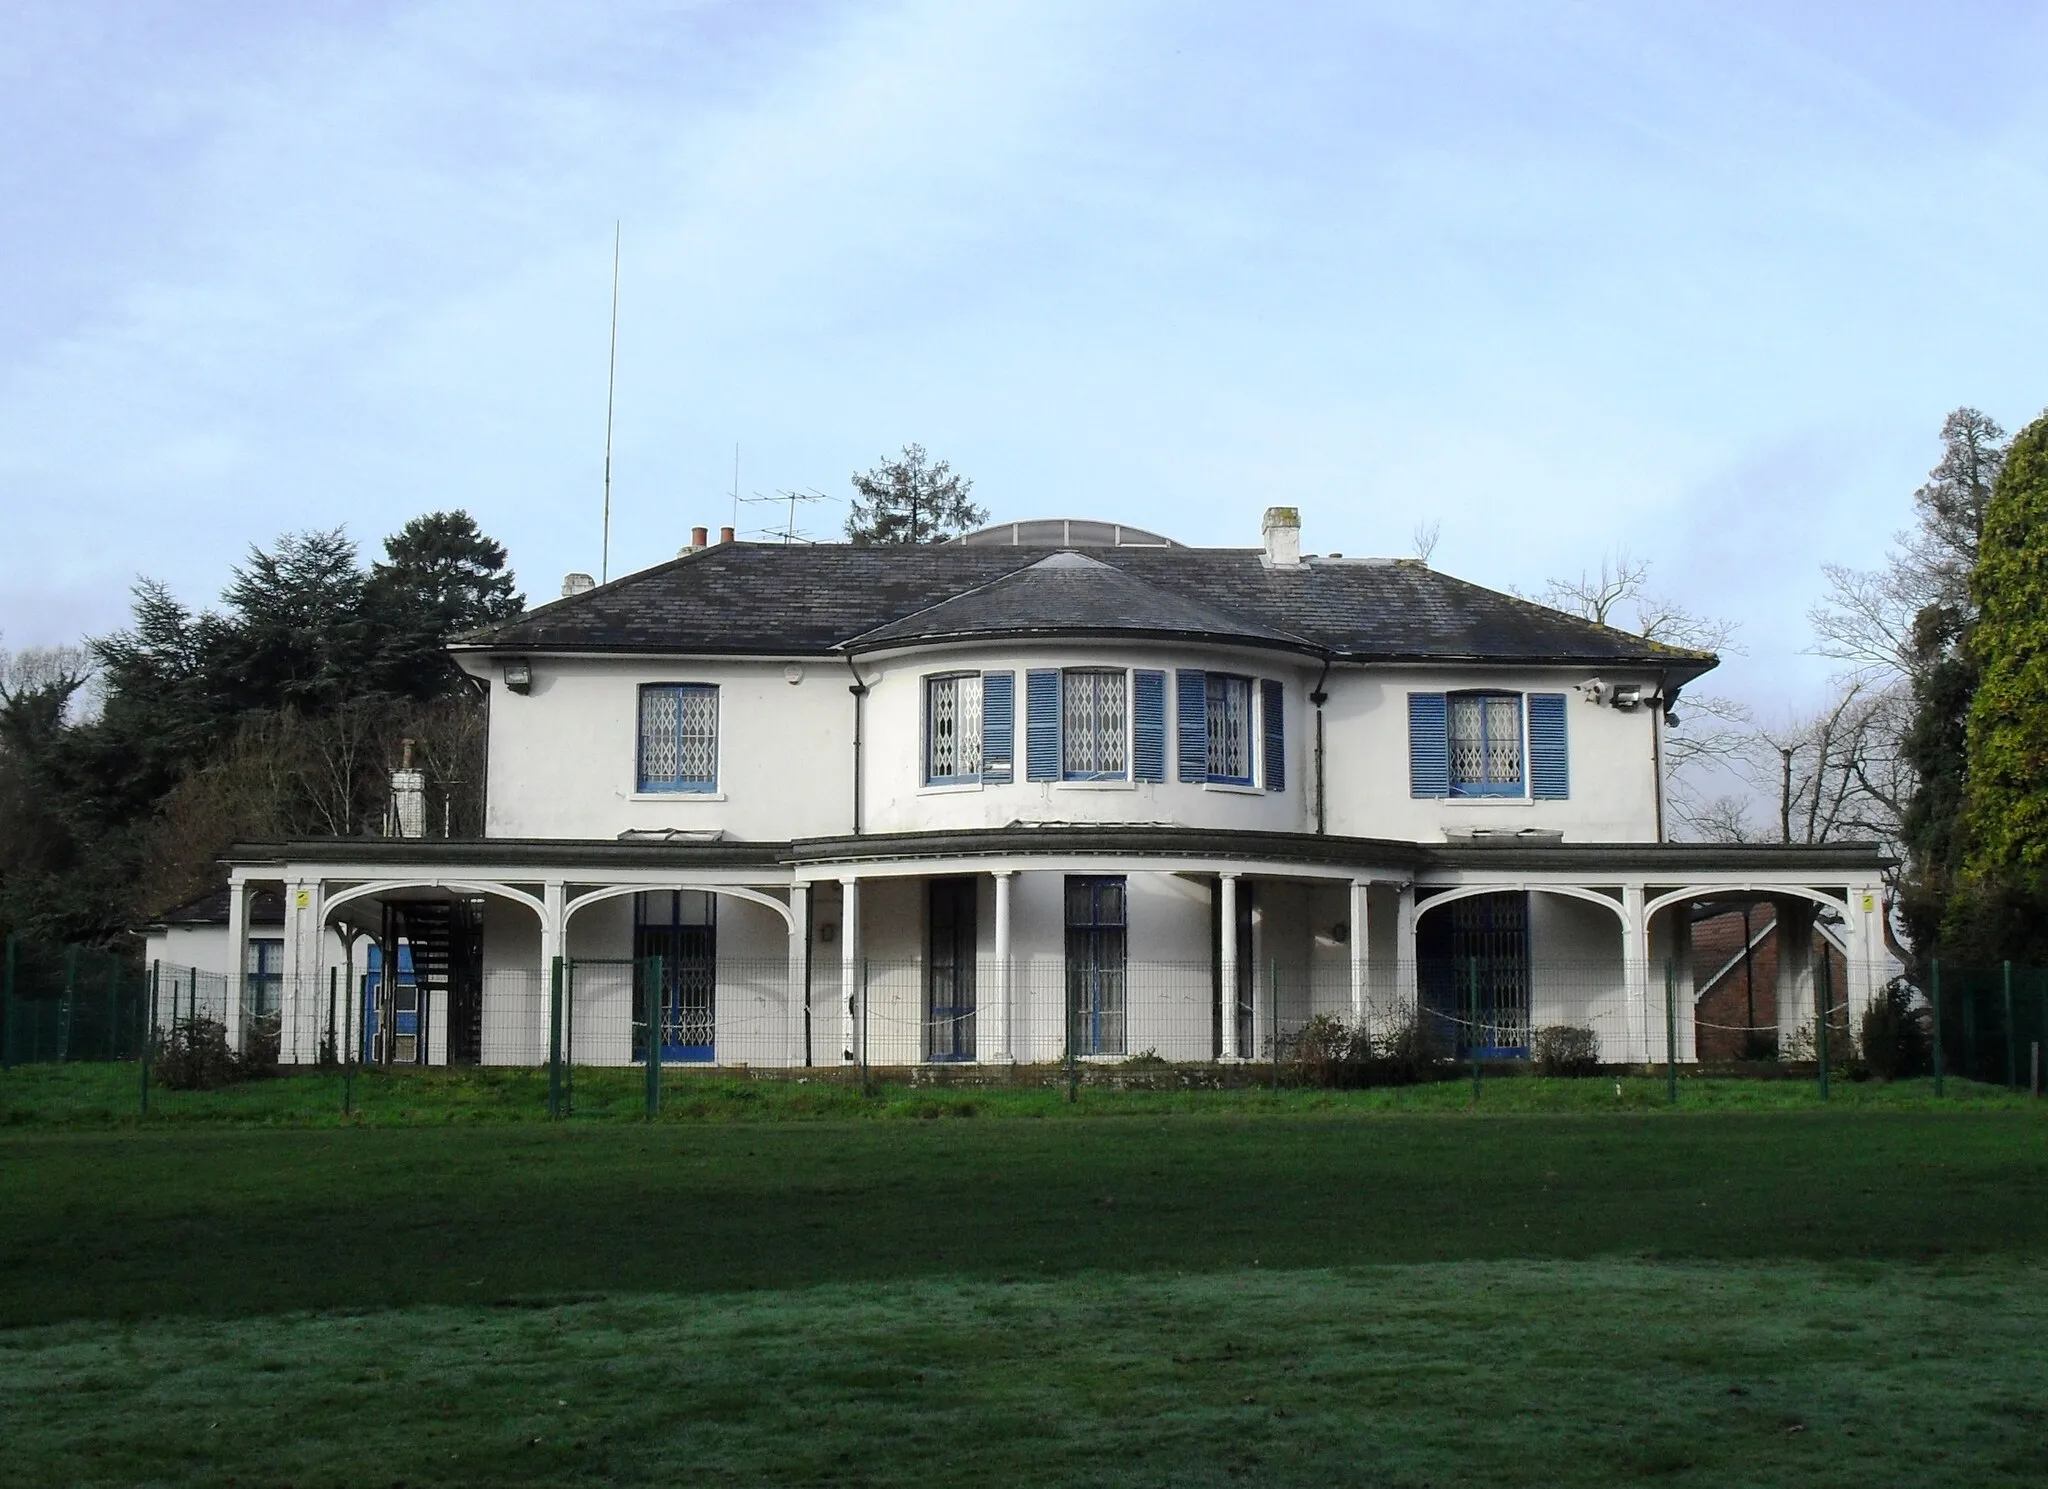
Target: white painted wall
<point>1612,766</point>
<point>562,758</point>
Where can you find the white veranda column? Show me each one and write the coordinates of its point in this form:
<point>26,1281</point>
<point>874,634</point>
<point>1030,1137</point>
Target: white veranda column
<point>1361,947</point>
<point>999,1039</point>
<point>799,974</point>
<point>1865,904</point>
<point>1405,992</point>
<point>1227,961</point>
<point>553,944</point>
<point>850,990</point>
<point>302,999</point>
<point>1635,970</point>
<point>238,960</point>
<point>1796,1003</point>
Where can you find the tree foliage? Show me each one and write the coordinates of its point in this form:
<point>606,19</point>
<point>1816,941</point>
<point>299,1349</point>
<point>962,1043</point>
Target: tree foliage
<point>277,715</point>
<point>911,499</point>
<point>2002,907</point>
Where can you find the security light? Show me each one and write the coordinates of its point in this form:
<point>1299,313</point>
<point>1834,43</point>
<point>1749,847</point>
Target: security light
<point>518,673</point>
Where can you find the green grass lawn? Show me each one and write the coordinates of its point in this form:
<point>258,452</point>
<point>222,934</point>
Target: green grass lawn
<point>1263,1290</point>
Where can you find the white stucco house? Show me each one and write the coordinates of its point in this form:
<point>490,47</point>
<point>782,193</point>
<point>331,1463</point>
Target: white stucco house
<point>1055,781</point>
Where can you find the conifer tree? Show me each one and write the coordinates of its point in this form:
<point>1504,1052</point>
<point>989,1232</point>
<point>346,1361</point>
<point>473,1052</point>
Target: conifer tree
<point>2003,907</point>
<point>912,499</point>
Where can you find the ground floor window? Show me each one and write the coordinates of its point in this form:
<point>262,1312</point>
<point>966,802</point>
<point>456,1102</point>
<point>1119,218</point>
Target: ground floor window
<point>1096,952</point>
<point>264,980</point>
<point>1472,969</point>
<point>675,947</point>
<point>949,971</point>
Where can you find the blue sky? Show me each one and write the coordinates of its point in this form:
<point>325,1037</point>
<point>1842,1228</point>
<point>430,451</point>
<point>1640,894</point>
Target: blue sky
<point>1696,280</point>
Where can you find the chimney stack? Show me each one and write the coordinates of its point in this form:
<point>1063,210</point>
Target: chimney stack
<point>408,817</point>
<point>1282,529</point>
<point>725,535</point>
<point>699,537</point>
<point>576,584</point>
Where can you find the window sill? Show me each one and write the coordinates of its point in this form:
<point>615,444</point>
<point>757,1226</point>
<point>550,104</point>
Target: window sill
<point>676,796</point>
<point>948,788</point>
<point>1123,785</point>
<point>1233,788</point>
<point>1486,802</point>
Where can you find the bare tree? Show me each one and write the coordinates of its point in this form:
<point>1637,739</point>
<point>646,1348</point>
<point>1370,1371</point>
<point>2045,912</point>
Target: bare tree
<point>1619,595</point>
<point>1425,538</point>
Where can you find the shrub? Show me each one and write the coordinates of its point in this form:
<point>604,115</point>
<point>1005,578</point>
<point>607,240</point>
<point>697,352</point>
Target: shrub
<point>1897,1041</point>
<point>195,1056</point>
<point>1326,1050</point>
<point>1566,1049</point>
<point>1404,1055</point>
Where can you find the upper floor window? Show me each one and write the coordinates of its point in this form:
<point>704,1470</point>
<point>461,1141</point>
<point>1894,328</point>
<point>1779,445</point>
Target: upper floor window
<point>1485,744</point>
<point>1230,728</point>
<point>1475,744</point>
<point>952,729</point>
<point>1094,724</point>
<point>678,737</point>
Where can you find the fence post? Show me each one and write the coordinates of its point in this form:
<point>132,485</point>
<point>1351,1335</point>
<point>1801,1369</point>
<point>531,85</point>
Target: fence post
<point>649,971</point>
<point>1824,994</point>
<point>555,1041</point>
<point>1073,1003</point>
<point>1472,1020</point>
<point>64,1010</point>
<point>2012,1034</point>
<point>7,1018</point>
<point>149,1027</point>
<point>1671,1029</point>
<point>860,1033</point>
<point>1273,1019</point>
<point>1934,997</point>
<point>348,1033</point>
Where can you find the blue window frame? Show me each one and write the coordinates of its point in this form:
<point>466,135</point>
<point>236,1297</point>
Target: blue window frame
<point>953,733</point>
<point>1229,718</point>
<point>678,748</point>
<point>1095,724</point>
<point>263,981</point>
<point>1097,940</point>
<point>1485,739</point>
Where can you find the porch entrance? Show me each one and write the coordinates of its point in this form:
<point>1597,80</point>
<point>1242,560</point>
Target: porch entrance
<point>675,949</point>
<point>1472,972</point>
<point>949,970</point>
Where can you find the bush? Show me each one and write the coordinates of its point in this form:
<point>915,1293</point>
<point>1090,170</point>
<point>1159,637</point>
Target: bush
<point>1326,1050</point>
<point>1566,1049</point>
<point>1897,1041</point>
<point>195,1056</point>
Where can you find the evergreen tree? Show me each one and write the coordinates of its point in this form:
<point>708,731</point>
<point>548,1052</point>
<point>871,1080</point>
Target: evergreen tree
<point>1933,571</point>
<point>912,499</point>
<point>441,578</point>
<point>2002,909</point>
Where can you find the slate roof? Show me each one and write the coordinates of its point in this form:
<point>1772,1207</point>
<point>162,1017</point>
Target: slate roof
<point>771,599</point>
<point>266,907</point>
<point>1046,599</point>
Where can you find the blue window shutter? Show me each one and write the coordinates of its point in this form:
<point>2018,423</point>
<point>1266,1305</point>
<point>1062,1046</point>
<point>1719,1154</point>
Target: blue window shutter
<point>1549,768</point>
<point>1191,721</point>
<point>998,726</point>
<point>1148,725</point>
<point>1273,725</point>
<point>1429,745</point>
<point>1042,724</point>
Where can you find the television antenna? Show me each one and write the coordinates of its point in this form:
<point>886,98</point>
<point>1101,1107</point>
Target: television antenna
<point>789,501</point>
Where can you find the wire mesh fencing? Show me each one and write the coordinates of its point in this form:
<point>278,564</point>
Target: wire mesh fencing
<point>595,1036</point>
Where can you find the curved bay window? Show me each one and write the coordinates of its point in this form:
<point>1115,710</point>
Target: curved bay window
<point>1230,728</point>
<point>1485,743</point>
<point>1094,724</point>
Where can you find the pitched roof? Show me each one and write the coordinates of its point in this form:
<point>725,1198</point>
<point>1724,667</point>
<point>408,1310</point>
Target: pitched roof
<point>756,599</point>
<point>1066,592</point>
